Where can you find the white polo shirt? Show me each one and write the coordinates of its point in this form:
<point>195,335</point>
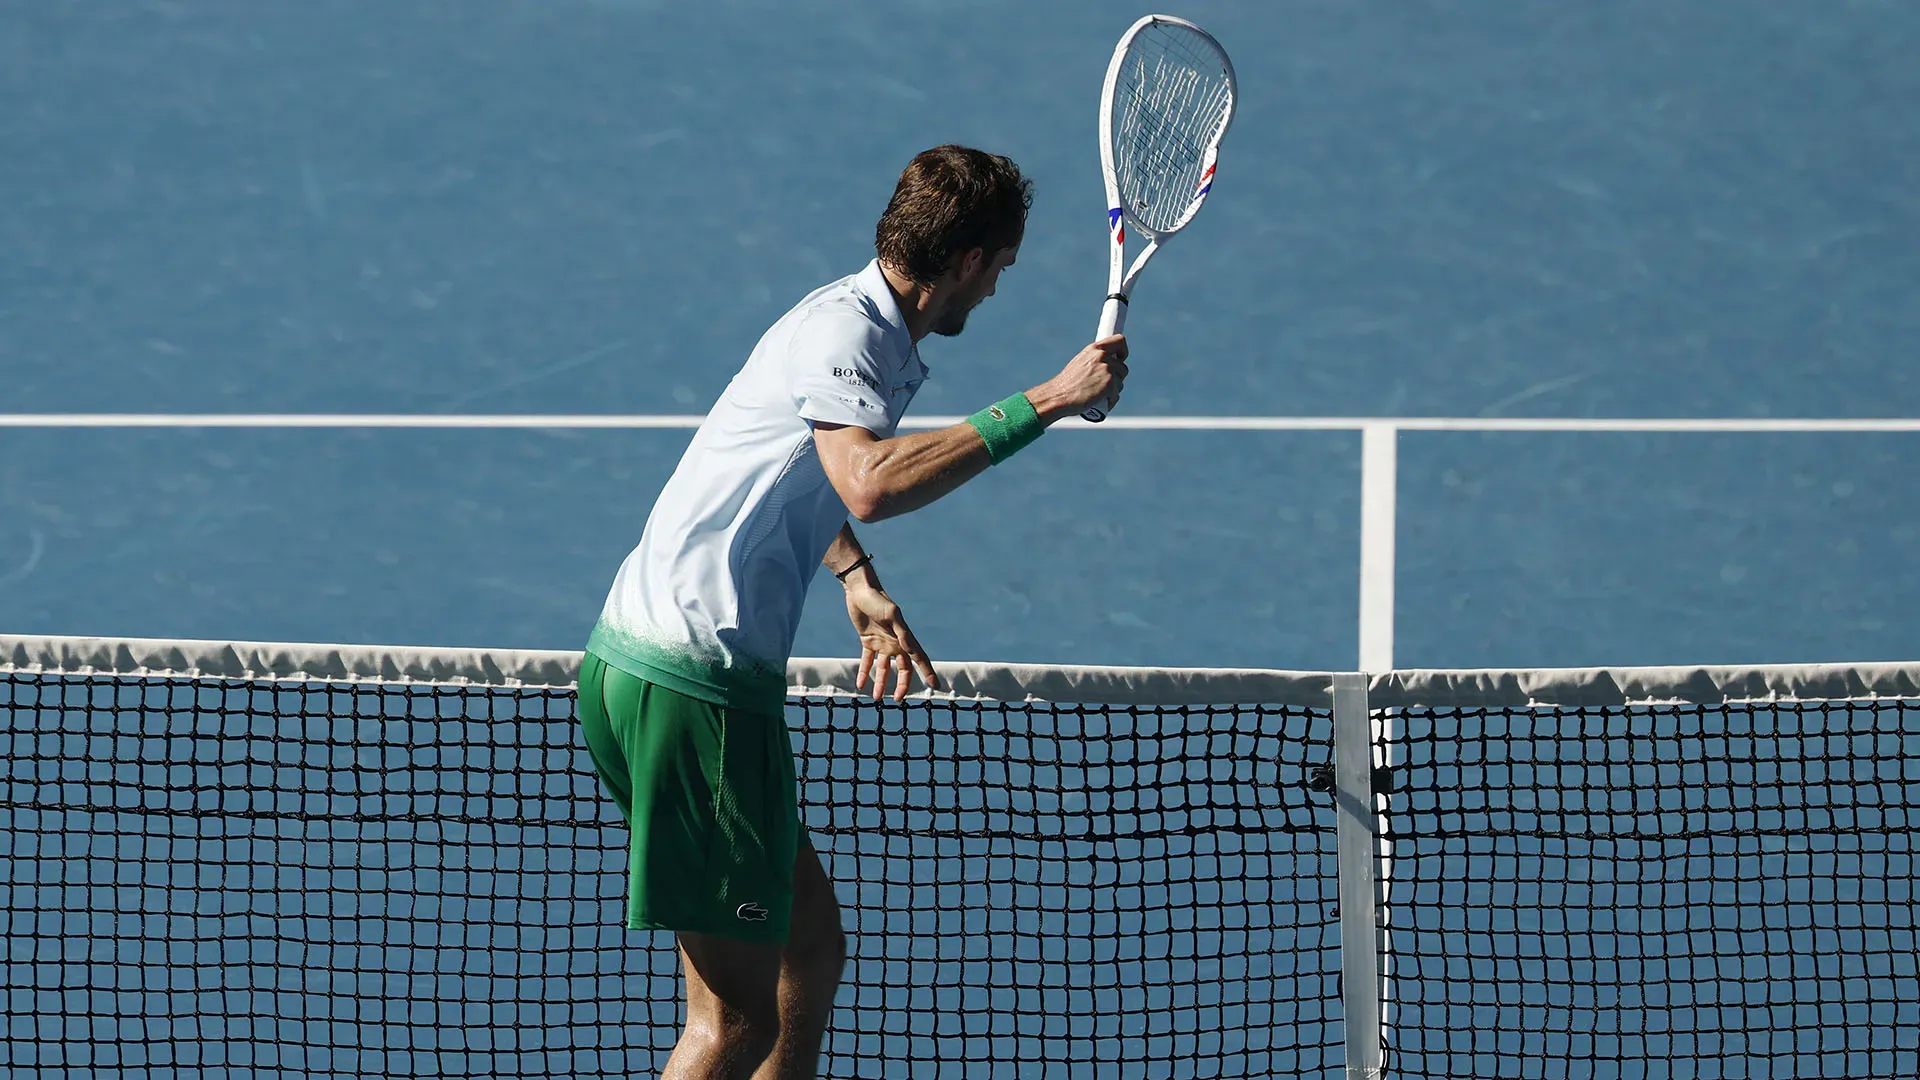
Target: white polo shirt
<point>709,601</point>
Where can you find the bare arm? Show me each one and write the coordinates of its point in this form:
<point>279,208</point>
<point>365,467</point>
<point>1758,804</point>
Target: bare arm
<point>880,478</point>
<point>889,653</point>
<point>844,552</point>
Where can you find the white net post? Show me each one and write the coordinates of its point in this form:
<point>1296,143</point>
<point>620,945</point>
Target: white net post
<point>1378,494</point>
<point>1356,839</point>
<point>1362,839</point>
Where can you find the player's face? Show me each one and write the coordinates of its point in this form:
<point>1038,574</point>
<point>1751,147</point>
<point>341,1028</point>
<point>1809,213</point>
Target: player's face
<point>969,292</point>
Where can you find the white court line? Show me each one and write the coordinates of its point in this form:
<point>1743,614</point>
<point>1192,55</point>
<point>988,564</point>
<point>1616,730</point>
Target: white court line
<point>1115,423</point>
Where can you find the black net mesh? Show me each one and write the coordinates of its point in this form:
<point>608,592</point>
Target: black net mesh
<point>1721,891</point>
<point>216,877</point>
<point>1041,891</point>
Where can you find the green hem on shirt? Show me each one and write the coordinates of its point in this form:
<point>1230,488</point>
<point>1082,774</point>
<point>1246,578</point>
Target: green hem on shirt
<point>763,690</point>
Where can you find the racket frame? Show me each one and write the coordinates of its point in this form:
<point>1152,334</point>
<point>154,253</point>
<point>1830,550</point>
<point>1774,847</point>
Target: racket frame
<point>1121,277</point>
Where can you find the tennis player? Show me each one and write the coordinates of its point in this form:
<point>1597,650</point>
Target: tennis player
<point>683,687</point>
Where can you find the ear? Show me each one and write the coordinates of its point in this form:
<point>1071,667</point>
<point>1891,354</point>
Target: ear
<point>968,264</point>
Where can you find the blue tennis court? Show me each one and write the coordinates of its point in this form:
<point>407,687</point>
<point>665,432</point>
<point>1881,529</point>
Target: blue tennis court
<point>1434,209</point>
<point>1651,210</point>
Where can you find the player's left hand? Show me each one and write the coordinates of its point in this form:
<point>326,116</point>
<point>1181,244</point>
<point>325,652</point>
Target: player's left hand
<point>888,650</point>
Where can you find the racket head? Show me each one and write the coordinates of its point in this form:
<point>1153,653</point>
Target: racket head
<point>1167,102</point>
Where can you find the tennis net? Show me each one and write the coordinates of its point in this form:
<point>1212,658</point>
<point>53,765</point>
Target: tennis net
<point>1647,874</point>
<point>311,861</point>
<point>323,861</point>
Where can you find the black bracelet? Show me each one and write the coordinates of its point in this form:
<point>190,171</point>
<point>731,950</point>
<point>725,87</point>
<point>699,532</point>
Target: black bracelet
<point>864,560</point>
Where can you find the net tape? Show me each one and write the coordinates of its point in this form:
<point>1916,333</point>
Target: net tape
<point>811,677</point>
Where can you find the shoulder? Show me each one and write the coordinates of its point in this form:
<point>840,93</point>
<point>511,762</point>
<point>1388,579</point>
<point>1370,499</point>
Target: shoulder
<point>840,324</point>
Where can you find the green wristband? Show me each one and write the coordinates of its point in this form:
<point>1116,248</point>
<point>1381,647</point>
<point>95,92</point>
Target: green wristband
<point>1008,427</point>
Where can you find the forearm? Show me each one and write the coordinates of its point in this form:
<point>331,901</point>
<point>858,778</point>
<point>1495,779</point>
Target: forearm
<point>844,552</point>
<point>904,473</point>
<point>909,472</point>
<point>882,478</point>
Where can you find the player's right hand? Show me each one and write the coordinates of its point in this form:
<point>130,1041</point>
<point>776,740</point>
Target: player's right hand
<point>1093,377</point>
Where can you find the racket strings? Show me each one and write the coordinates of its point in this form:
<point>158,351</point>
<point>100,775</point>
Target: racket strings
<point>1170,104</point>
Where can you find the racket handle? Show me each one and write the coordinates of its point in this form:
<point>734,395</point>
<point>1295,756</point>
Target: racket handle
<point>1113,316</point>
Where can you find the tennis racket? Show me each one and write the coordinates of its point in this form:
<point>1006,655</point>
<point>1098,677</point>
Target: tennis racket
<point>1165,107</point>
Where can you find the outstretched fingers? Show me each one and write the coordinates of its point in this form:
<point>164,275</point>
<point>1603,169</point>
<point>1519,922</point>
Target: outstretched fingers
<point>911,658</point>
<point>893,657</point>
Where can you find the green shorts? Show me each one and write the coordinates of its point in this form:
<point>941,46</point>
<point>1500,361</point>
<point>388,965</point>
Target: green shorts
<point>708,793</point>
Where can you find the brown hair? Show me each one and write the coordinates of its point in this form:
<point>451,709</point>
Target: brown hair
<point>950,200</point>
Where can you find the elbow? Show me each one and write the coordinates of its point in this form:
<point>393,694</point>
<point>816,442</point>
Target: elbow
<point>866,488</point>
<point>868,502</point>
<point>864,504</point>
<point>867,509</point>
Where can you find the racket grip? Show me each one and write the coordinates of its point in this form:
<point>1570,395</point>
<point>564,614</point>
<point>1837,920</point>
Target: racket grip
<point>1113,316</point>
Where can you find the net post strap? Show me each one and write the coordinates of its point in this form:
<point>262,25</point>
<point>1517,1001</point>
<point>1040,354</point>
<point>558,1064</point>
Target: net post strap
<point>1357,832</point>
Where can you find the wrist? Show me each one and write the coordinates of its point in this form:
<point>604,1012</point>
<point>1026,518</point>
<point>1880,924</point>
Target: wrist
<point>1050,404</point>
<point>860,571</point>
<point>1008,426</point>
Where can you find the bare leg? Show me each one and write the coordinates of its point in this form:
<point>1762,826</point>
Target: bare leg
<point>810,968</point>
<point>733,1008</point>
